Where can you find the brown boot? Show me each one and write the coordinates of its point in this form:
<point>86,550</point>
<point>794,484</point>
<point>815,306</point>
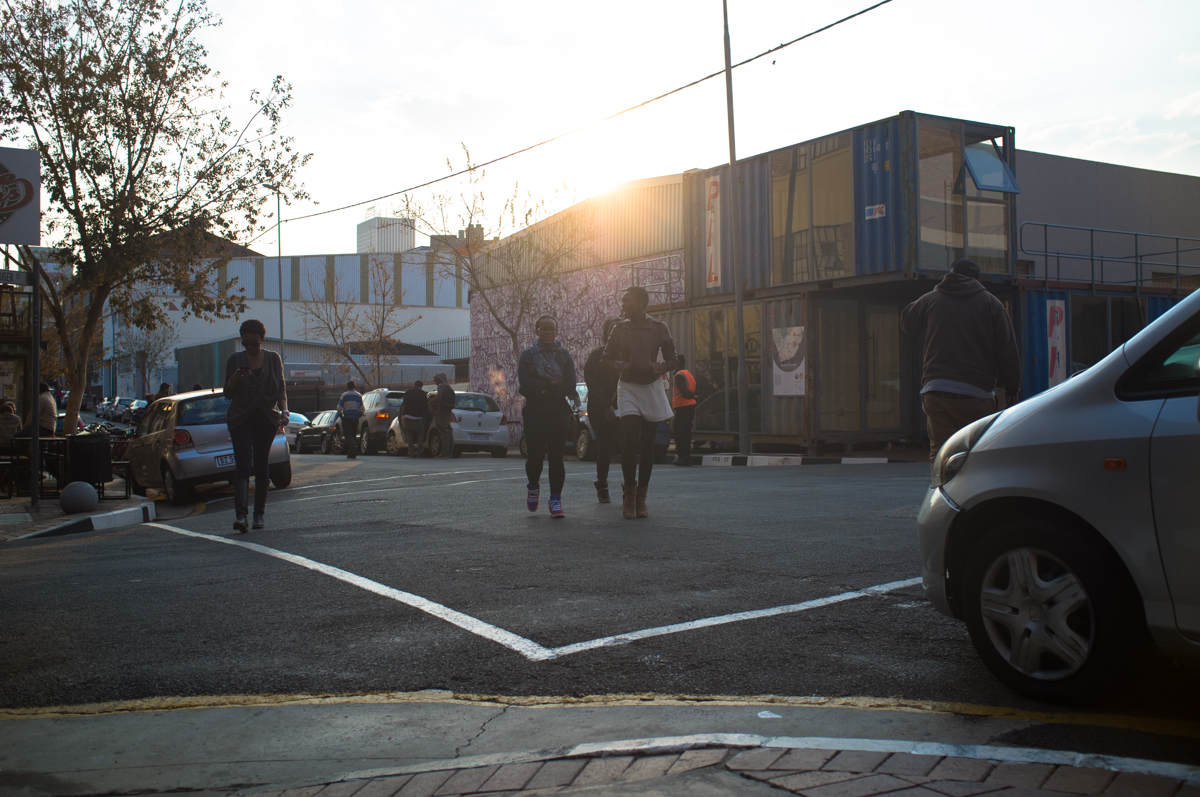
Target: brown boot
<point>628,498</point>
<point>642,511</point>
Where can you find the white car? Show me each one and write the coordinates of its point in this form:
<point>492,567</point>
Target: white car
<point>1065,530</point>
<point>478,425</point>
<point>295,423</point>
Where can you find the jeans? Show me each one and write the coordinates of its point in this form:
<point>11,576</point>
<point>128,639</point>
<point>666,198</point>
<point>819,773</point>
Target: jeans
<point>349,430</point>
<point>442,421</point>
<point>414,435</point>
<point>637,444</point>
<point>546,436</point>
<point>252,441</point>
<point>684,416</point>
<point>606,432</point>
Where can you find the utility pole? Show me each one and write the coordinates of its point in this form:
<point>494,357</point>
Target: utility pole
<point>742,391</point>
<point>279,265</point>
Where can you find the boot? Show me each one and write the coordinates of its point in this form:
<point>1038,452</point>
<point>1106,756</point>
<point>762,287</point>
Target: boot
<point>258,521</point>
<point>642,511</point>
<point>602,492</point>
<point>241,497</point>
<point>628,497</point>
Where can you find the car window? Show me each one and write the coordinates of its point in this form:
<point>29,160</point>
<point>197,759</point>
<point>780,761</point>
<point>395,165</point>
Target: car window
<point>205,411</point>
<point>298,418</point>
<point>1170,368</point>
<point>394,400</point>
<point>475,401</point>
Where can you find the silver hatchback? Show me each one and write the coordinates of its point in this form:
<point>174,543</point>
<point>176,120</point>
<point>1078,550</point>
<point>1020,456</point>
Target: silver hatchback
<point>1064,530</point>
<point>183,442</point>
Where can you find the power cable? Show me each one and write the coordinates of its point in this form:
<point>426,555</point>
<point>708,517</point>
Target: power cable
<point>461,172</point>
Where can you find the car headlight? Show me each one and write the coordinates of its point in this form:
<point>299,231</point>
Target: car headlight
<point>953,454</point>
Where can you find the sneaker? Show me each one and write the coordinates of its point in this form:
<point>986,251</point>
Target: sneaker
<point>532,492</point>
<point>556,510</point>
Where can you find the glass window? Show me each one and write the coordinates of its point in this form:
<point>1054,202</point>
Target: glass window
<point>940,163</point>
<point>838,385</point>
<point>833,207</point>
<point>203,411</point>
<point>883,367</point>
<point>789,216</point>
<point>1171,368</point>
<point>395,399</point>
<point>987,170</point>
<point>987,235</point>
<point>475,401</point>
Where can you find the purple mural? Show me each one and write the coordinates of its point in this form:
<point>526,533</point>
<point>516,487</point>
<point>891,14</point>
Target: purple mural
<point>579,300</point>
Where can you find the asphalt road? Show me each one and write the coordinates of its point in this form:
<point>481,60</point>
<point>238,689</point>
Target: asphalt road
<point>148,612</point>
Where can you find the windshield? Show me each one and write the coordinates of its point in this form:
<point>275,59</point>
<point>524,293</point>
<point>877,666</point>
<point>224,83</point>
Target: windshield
<point>205,411</point>
<point>475,401</point>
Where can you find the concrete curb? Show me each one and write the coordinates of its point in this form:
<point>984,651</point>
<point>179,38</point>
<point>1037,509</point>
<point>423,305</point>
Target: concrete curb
<point>764,460</point>
<point>676,744</point>
<point>130,516</point>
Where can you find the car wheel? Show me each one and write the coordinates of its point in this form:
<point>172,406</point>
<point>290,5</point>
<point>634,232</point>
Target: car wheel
<point>499,453</point>
<point>281,475</point>
<point>366,442</point>
<point>337,444</point>
<point>1052,613</point>
<point>177,492</point>
<point>584,450</point>
<point>325,444</point>
<point>523,446</point>
<point>393,444</point>
<point>435,444</point>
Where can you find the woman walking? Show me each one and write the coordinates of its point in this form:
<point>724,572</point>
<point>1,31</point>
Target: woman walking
<point>632,350</point>
<point>254,386</point>
<point>602,403</point>
<point>546,377</point>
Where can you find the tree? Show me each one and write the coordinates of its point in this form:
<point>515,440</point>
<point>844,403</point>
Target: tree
<point>146,178</point>
<point>363,337</point>
<point>145,350</point>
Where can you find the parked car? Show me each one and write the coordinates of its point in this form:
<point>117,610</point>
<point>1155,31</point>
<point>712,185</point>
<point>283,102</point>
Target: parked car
<point>183,442</point>
<point>317,435</point>
<point>135,412</point>
<point>1063,530</point>
<point>295,423</point>
<point>102,407</point>
<point>116,410</point>
<point>380,408</point>
<point>478,425</point>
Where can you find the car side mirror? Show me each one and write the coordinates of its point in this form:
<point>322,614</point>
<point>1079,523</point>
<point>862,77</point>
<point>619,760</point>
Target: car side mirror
<point>308,423</point>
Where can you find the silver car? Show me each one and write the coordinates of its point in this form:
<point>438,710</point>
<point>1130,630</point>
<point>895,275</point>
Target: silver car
<point>478,425</point>
<point>1064,530</point>
<point>182,442</point>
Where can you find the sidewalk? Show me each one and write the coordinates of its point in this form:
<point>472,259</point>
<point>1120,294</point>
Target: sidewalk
<point>702,767</point>
<point>18,520</point>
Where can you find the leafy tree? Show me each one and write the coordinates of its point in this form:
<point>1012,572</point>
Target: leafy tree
<point>146,179</point>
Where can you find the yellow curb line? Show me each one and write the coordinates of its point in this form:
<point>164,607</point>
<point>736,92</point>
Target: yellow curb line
<point>1170,727</point>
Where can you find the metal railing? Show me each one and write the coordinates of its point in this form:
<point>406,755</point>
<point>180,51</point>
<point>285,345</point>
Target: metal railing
<point>450,348</point>
<point>1124,251</point>
<point>662,277</point>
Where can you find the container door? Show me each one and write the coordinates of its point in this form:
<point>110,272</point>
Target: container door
<point>839,379</point>
<point>883,367</point>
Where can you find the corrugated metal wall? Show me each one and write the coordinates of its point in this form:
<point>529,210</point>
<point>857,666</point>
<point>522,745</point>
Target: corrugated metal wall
<point>882,219</point>
<point>782,414</point>
<point>754,213</point>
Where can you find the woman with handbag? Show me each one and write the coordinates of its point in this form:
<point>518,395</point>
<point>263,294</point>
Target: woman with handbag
<point>546,377</point>
<point>254,386</point>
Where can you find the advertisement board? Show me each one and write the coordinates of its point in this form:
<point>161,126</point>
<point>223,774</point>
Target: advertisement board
<point>1056,339</point>
<point>788,350</point>
<point>712,235</point>
<point>20,197</point>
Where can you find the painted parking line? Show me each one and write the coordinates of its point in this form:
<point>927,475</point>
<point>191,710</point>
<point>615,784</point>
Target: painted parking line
<point>383,479</point>
<point>527,647</point>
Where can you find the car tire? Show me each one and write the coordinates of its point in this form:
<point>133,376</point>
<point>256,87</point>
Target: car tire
<point>523,446</point>
<point>435,445</point>
<point>326,444</point>
<point>178,493</point>
<point>281,475</point>
<point>366,442</point>
<point>393,445</point>
<point>585,450</point>
<point>1072,603</point>
<point>499,453</point>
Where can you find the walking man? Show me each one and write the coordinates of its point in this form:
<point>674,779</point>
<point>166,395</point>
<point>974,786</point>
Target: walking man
<point>684,404</point>
<point>633,349</point>
<point>602,401</point>
<point>350,407</point>
<point>412,418</point>
<point>970,347</point>
<point>443,414</point>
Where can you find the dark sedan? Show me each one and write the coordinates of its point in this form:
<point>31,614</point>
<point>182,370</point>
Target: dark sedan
<point>317,435</point>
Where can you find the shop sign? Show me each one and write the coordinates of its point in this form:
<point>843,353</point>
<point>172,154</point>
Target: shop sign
<point>1056,339</point>
<point>712,235</point>
<point>787,361</point>
<point>876,211</point>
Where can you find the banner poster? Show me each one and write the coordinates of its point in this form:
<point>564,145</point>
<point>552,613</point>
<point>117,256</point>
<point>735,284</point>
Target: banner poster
<point>787,358</point>
<point>1056,334</point>
<point>712,235</point>
<point>20,203</point>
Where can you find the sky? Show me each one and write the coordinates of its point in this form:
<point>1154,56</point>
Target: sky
<point>385,93</point>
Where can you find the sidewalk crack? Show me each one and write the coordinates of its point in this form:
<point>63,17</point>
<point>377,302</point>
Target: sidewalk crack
<point>458,751</point>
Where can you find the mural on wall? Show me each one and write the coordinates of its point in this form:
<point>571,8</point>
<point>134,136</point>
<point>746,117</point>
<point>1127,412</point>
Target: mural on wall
<point>579,300</point>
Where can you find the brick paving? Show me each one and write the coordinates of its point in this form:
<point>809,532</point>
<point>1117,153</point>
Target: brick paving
<point>808,772</point>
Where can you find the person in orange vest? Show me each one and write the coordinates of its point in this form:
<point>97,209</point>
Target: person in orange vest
<point>684,404</point>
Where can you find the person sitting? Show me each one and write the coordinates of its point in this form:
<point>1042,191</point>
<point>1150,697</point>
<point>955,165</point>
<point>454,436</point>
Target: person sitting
<point>10,424</point>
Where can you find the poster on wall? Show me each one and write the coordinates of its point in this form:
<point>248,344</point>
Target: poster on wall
<point>712,235</point>
<point>787,358</point>
<point>1056,339</point>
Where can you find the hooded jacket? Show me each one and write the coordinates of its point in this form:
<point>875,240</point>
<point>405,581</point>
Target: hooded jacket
<point>968,335</point>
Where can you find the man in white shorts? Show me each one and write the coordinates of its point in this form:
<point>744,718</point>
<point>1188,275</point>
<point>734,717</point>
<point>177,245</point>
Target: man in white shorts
<point>642,403</point>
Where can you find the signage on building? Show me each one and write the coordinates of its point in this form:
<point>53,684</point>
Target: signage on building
<point>788,351</point>
<point>876,211</point>
<point>712,234</point>
<point>1056,339</point>
<point>20,197</point>
<point>16,277</point>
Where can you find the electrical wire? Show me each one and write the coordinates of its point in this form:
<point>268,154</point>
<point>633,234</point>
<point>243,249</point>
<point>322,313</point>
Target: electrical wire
<point>523,150</point>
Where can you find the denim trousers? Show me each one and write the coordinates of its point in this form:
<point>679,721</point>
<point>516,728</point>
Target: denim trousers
<point>252,441</point>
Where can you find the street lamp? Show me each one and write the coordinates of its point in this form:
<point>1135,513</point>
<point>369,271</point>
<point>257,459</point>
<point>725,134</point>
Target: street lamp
<point>279,259</point>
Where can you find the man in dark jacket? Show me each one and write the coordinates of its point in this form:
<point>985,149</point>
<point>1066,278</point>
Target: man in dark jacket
<point>970,347</point>
<point>443,414</point>
<point>412,418</point>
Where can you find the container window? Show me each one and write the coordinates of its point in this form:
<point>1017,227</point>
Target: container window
<point>987,170</point>
<point>940,163</point>
<point>789,216</point>
<point>987,235</point>
<point>833,207</point>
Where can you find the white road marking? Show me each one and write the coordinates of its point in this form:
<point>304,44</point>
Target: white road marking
<point>527,647</point>
<point>389,489</point>
<point>381,479</point>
